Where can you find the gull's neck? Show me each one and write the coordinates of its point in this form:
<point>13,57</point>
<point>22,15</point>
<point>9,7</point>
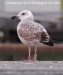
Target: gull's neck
<point>27,20</point>
<point>24,22</point>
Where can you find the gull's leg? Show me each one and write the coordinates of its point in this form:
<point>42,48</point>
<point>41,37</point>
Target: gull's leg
<point>29,53</point>
<point>35,53</point>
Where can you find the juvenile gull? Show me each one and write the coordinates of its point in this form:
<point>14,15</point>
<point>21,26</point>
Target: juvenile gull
<point>31,32</point>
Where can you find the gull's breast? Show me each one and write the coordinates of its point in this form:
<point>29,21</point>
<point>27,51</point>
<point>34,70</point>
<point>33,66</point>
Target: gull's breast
<point>28,35</point>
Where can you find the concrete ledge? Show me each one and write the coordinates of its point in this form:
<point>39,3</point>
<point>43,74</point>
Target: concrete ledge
<point>31,68</point>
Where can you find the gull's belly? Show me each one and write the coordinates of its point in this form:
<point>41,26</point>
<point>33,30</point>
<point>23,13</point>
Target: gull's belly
<point>29,40</point>
<point>28,35</point>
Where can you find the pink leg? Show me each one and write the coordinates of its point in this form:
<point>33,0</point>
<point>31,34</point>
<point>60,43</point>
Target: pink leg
<point>35,54</point>
<point>29,53</point>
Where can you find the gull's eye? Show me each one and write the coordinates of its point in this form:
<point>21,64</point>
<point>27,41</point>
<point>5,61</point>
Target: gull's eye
<point>23,14</point>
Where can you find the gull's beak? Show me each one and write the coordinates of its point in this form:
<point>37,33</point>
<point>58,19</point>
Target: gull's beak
<point>14,17</point>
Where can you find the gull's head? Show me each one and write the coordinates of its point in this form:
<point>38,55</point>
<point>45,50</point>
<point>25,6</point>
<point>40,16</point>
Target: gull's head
<point>24,15</point>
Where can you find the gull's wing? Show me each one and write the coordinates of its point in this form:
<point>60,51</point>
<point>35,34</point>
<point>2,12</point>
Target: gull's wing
<point>44,37</point>
<point>31,31</point>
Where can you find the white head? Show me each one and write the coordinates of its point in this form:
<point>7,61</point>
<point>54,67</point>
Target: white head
<point>24,15</point>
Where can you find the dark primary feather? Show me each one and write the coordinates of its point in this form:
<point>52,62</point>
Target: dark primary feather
<point>49,43</point>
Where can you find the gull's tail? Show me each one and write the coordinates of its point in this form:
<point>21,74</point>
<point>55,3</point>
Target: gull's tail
<point>49,43</point>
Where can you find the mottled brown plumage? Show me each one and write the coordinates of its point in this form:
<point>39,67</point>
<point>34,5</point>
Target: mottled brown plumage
<point>30,32</point>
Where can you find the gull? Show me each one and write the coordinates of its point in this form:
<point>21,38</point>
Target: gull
<point>31,33</point>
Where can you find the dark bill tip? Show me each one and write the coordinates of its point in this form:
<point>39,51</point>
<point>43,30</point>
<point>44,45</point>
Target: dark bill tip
<point>14,17</point>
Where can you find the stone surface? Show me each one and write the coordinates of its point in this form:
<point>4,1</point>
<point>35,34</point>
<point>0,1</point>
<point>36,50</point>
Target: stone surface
<point>31,68</point>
